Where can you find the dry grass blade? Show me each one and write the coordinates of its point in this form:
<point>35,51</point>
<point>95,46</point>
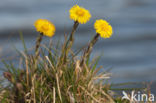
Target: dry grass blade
<point>89,94</point>
<point>107,96</point>
<point>27,71</point>
<point>72,100</point>
<point>54,95</point>
<point>102,76</point>
<point>78,69</point>
<point>33,88</point>
<point>58,87</point>
<point>50,62</point>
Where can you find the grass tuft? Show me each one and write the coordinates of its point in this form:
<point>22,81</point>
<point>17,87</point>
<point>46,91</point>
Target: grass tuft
<point>55,74</point>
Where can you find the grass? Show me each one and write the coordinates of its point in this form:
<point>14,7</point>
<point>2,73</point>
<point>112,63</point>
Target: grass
<point>56,74</point>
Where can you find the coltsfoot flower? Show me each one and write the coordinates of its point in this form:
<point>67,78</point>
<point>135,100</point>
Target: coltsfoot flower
<point>79,14</point>
<point>103,28</point>
<point>45,27</point>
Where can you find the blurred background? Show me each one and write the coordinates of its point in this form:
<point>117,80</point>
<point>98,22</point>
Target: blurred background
<point>130,52</point>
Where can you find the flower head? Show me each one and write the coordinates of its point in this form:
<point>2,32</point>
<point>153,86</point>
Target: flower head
<point>46,27</point>
<point>103,28</point>
<point>79,14</point>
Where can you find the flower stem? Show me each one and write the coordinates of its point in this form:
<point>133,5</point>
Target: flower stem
<point>71,38</point>
<point>38,42</point>
<point>89,48</point>
<point>70,41</point>
<point>39,39</point>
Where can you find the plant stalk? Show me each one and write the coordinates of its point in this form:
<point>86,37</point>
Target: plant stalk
<point>70,41</point>
<point>89,48</point>
<point>38,42</point>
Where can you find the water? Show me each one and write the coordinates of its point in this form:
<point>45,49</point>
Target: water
<point>131,52</point>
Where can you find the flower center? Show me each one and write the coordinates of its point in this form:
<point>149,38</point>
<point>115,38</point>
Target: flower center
<point>80,12</point>
<point>45,27</point>
<point>103,27</point>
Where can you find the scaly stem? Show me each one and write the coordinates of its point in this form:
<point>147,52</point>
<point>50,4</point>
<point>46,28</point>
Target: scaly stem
<point>89,48</point>
<point>70,40</point>
<point>39,39</point>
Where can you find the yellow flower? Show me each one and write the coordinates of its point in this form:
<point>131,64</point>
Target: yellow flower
<point>46,27</point>
<point>103,28</point>
<point>79,14</point>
